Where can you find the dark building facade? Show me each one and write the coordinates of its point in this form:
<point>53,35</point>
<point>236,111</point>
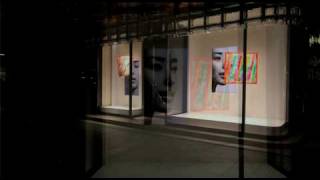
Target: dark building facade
<point>174,64</point>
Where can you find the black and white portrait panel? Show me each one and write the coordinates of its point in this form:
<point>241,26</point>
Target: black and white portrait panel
<point>135,79</point>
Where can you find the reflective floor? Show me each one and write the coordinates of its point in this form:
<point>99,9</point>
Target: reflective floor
<point>137,152</point>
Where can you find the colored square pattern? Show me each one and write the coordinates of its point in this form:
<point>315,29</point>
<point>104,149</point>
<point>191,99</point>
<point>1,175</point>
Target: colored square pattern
<point>234,68</point>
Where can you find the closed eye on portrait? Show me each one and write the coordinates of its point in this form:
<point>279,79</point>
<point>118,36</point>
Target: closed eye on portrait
<point>217,55</point>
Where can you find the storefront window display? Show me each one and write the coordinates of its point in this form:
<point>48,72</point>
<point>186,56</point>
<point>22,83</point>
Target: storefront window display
<point>208,96</point>
<point>215,77</point>
<point>116,79</point>
<point>198,79</point>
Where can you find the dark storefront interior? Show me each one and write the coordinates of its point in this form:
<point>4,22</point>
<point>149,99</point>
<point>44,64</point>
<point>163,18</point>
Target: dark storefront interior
<point>159,89</point>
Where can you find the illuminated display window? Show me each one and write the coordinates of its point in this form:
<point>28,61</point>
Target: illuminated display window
<point>215,78</point>
<point>198,80</point>
<point>116,81</point>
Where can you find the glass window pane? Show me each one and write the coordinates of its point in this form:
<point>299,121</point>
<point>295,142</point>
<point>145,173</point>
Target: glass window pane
<point>233,16</point>
<point>206,86</point>
<point>206,93</point>
<point>214,19</point>
<point>137,91</point>
<point>183,24</point>
<point>177,67</point>
<point>254,13</point>
<point>266,75</point>
<point>266,97</point>
<point>197,22</point>
<point>106,75</point>
<point>270,11</point>
<point>115,71</point>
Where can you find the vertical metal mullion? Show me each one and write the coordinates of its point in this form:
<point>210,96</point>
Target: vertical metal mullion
<point>288,83</point>
<point>161,22</point>
<point>263,12</point>
<point>127,25</point>
<point>118,33</point>
<point>189,16</point>
<point>167,76</point>
<point>130,78</point>
<point>110,32</point>
<point>166,24</point>
<point>138,26</point>
<point>243,113</point>
<point>288,13</point>
<point>174,23</point>
<point>205,15</point>
<point>99,77</point>
<point>142,75</point>
<point>175,12</point>
<point>241,14</point>
<point>148,33</point>
<point>222,16</point>
<point>244,75</point>
<point>275,11</point>
<point>153,62</point>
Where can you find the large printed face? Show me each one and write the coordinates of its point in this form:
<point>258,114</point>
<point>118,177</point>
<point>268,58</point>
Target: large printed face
<point>218,73</point>
<point>135,75</point>
<point>155,74</point>
<point>134,80</point>
<point>163,81</point>
<point>123,65</point>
